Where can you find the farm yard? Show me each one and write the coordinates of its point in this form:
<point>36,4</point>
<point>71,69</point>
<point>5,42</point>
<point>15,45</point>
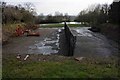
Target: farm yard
<point>60,39</point>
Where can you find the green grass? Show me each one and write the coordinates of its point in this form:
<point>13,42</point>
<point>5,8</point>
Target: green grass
<point>56,69</point>
<point>61,25</point>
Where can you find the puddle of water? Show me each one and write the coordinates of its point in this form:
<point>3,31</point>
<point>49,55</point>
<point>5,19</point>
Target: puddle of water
<point>62,27</point>
<point>59,30</point>
<point>57,44</point>
<point>58,36</point>
<point>47,46</point>
<point>45,50</point>
<point>47,39</point>
<point>83,32</point>
<point>51,42</point>
<point>41,49</point>
<point>71,23</point>
<point>40,44</point>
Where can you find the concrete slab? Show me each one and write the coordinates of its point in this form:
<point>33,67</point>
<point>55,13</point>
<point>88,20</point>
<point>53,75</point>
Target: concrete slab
<point>96,45</point>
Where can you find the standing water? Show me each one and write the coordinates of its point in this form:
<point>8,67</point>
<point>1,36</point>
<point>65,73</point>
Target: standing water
<point>47,46</point>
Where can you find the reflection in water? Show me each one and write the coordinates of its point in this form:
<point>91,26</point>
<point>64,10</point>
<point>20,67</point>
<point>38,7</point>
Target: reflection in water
<point>71,23</point>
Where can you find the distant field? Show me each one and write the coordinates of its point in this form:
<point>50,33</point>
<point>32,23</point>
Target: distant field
<point>60,25</point>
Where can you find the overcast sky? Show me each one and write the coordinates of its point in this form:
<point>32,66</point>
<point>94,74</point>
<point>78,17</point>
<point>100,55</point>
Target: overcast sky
<point>72,7</point>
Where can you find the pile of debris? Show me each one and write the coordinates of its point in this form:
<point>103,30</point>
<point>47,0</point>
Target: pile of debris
<point>28,32</point>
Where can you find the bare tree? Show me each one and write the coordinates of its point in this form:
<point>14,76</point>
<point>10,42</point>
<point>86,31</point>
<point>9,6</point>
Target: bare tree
<point>30,7</point>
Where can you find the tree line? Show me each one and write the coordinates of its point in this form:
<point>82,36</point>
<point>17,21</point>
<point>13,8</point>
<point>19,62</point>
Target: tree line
<point>56,18</point>
<point>26,14</point>
<point>18,13</point>
<point>94,15</point>
<point>103,18</point>
<point>99,14</point>
<point>114,13</point>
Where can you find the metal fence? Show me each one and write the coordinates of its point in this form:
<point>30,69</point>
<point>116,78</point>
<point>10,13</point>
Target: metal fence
<point>70,40</point>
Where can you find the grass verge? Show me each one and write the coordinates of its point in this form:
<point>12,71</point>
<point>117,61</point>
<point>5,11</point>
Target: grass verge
<point>66,68</point>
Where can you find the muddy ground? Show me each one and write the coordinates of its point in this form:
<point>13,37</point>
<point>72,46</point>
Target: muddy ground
<point>88,44</point>
<point>21,44</point>
<point>94,55</point>
<point>91,44</point>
